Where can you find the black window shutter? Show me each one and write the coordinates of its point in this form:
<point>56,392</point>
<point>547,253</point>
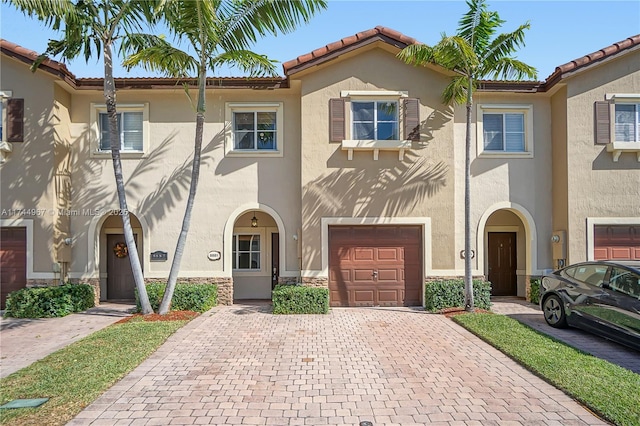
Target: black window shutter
<point>411,117</point>
<point>336,120</point>
<point>603,123</point>
<point>15,120</point>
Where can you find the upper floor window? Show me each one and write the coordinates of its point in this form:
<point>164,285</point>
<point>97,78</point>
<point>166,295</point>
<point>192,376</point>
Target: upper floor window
<point>505,130</point>
<point>627,122</point>
<point>129,128</point>
<point>375,120</point>
<point>255,129</point>
<point>11,123</point>
<point>133,129</point>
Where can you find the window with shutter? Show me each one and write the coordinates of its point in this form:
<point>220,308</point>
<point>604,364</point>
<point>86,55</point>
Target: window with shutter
<point>411,118</point>
<point>15,120</point>
<point>617,124</point>
<point>336,120</point>
<point>603,123</point>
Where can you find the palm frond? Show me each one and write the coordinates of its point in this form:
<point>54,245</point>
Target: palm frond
<point>456,91</point>
<point>153,53</point>
<point>505,44</point>
<point>417,54</point>
<point>510,69</point>
<point>254,64</point>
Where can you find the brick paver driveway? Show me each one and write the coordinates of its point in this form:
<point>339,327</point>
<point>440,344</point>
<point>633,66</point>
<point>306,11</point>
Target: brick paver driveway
<point>242,365</point>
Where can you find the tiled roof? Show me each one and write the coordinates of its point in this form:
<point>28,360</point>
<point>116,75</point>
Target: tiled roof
<point>346,44</point>
<point>598,55</point>
<point>29,56</point>
<point>316,57</point>
<point>60,70</point>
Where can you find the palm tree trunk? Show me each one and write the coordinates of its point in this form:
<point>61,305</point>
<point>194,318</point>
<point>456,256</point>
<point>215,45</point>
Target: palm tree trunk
<point>165,305</point>
<point>468,279</point>
<point>114,137</point>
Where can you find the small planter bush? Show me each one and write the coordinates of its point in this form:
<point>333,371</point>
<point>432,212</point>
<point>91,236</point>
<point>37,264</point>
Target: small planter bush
<point>296,299</point>
<point>186,297</point>
<point>444,294</point>
<point>534,291</point>
<point>49,302</point>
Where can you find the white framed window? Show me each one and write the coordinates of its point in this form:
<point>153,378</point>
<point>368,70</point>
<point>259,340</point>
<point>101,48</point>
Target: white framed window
<point>505,130</point>
<point>255,129</point>
<point>5,146</point>
<point>133,128</point>
<point>246,252</point>
<point>374,120</point>
<point>627,122</point>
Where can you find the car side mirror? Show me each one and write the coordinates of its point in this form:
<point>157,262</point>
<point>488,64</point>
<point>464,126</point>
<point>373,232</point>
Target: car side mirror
<point>606,286</point>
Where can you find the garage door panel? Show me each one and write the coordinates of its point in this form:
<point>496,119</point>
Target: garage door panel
<point>363,296</point>
<point>363,254</point>
<point>389,275</point>
<point>13,261</point>
<point>363,275</point>
<point>390,253</point>
<point>363,250</point>
<point>616,242</point>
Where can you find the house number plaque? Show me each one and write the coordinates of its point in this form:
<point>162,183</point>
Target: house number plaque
<point>214,255</point>
<point>159,256</point>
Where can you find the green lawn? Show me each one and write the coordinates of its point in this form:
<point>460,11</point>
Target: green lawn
<point>607,389</point>
<point>75,376</point>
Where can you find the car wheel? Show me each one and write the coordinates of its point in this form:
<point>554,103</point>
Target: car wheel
<point>554,312</point>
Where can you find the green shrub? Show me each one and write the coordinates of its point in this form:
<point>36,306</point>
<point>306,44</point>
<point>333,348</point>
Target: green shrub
<point>534,292</point>
<point>186,297</point>
<point>48,302</point>
<point>297,299</point>
<point>450,293</point>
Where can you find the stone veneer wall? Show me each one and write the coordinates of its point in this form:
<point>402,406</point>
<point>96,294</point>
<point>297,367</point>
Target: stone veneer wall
<point>315,282</point>
<point>288,280</point>
<point>225,286</point>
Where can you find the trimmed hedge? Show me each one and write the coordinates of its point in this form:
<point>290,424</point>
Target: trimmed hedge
<point>534,292</point>
<point>49,302</point>
<point>297,299</point>
<point>450,294</point>
<point>186,297</point>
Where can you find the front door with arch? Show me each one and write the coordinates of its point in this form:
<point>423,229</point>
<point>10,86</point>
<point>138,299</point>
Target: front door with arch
<point>502,264</point>
<point>120,283</point>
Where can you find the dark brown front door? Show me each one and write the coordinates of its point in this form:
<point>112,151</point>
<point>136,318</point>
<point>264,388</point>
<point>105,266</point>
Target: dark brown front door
<point>275,259</point>
<point>120,283</point>
<point>13,261</point>
<point>502,263</point>
<point>375,265</point>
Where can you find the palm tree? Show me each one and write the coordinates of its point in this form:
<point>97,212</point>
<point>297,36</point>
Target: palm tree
<point>219,32</point>
<point>91,28</point>
<point>472,54</point>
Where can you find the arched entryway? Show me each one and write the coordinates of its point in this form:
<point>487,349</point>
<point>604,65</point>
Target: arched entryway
<point>506,234</point>
<point>116,276</point>
<point>255,255</point>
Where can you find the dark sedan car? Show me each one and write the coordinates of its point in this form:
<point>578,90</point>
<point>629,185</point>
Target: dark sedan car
<point>602,297</point>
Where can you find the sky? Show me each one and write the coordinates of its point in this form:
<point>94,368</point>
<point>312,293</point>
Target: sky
<point>560,30</point>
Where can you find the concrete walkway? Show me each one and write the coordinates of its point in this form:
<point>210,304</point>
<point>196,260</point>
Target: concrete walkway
<point>24,341</point>
<point>531,315</point>
<point>242,365</point>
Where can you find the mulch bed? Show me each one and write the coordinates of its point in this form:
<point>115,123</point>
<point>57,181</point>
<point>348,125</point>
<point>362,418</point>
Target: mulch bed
<point>171,316</point>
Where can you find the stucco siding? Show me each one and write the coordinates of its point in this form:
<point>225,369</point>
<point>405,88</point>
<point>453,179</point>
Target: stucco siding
<point>598,186</point>
<point>419,186</point>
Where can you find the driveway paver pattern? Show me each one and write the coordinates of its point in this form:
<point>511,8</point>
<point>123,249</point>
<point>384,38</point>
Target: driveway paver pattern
<point>242,365</point>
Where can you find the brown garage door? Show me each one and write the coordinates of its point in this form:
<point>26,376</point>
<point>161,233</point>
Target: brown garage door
<point>13,261</point>
<point>375,265</point>
<point>617,242</point>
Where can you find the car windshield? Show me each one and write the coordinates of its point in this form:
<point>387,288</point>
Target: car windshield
<point>591,273</point>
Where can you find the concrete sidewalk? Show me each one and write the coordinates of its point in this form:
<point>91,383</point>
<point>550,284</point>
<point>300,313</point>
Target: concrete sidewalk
<point>24,341</point>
